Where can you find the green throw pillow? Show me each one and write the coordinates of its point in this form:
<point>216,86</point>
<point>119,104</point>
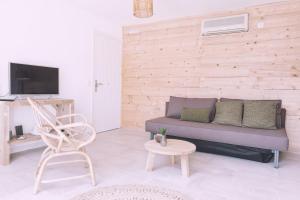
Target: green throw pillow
<point>260,114</point>
<point>195,114</point>
<point>229,113</point>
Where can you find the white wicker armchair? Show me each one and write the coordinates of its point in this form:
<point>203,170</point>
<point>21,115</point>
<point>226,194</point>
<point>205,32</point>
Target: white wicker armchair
<point>63,138</point>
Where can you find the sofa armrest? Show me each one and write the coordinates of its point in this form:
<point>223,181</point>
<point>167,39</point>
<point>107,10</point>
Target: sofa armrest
<point>166,110</point>
<point>283,117</point>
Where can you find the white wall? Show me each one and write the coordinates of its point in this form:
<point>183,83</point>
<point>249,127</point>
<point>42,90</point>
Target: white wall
<point>50,33</point>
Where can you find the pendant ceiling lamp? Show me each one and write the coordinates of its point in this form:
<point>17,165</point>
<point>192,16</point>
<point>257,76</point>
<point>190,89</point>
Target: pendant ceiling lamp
<point>143,8</point>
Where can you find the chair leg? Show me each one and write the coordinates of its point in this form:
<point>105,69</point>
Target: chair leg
<point>276,159</point>
<point>43,156</point>
<point>92,173</point>
<point>46,159</point>
<point>83,150</point>
<point>40,174</point>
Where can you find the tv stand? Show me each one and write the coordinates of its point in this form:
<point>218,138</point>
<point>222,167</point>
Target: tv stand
<point>7,146</point>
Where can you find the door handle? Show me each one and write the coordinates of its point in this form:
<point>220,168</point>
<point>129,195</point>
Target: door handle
<point>97,85</point>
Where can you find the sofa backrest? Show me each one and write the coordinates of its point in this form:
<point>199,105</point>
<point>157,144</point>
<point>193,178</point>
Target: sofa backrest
<point>282,117</point>
<point>167,107</point>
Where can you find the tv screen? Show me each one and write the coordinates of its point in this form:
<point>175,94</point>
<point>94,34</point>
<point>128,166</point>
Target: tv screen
<point>29,79</point>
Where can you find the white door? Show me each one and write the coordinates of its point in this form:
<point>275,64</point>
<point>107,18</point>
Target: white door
<point>106,83</point>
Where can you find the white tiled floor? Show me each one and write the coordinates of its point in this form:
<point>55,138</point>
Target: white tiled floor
<point>119,158</point>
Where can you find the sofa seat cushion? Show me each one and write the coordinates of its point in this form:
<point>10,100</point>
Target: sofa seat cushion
<point>259,138</point>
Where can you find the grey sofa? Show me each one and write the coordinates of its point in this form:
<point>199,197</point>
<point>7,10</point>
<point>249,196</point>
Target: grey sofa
<point>275,140</point>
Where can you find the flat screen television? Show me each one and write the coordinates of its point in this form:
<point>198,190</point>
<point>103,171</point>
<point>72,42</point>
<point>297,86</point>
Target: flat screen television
<point>30,79</point>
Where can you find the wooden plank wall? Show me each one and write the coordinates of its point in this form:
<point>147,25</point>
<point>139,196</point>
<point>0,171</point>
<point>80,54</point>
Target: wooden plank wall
<point>172,58</point>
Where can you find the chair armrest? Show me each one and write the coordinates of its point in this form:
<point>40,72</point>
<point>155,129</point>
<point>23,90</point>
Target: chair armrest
<point>92,137</point>
<point>83,118</point>
<point>72,125</point>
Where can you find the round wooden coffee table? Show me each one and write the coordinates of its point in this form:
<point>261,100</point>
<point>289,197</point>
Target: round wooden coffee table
<point>173,148</point>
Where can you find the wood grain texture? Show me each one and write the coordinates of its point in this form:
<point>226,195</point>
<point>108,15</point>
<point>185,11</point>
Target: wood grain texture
<point>4,133</point>
<point>172,58</point>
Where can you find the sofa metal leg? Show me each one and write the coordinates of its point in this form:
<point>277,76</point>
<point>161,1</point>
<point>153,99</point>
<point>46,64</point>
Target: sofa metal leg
<point>152,136</point>
<point>276,158</point>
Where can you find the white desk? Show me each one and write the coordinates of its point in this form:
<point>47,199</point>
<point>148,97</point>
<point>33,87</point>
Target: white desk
<point>62,106</point>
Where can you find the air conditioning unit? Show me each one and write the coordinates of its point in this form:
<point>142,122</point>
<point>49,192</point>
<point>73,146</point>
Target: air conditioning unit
<point>223,25</point>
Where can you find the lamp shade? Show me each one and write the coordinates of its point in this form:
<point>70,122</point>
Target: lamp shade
<point>143,8</point>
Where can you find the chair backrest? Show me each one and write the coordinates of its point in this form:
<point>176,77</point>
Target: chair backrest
<point>47,126</point>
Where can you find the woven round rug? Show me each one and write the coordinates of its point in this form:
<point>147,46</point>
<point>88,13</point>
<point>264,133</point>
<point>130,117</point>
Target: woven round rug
<point>131,192</point>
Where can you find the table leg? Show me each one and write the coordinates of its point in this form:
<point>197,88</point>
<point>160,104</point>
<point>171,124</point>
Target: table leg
<point>4,133</point>
<point>150,161</point>
<point>173,160</point>
<point>185,168</point>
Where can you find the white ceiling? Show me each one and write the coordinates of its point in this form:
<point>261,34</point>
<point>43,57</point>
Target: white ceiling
<point>120,11</point>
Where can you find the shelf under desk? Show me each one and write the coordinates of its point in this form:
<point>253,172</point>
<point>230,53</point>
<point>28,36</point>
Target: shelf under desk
<point>30,141</point>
